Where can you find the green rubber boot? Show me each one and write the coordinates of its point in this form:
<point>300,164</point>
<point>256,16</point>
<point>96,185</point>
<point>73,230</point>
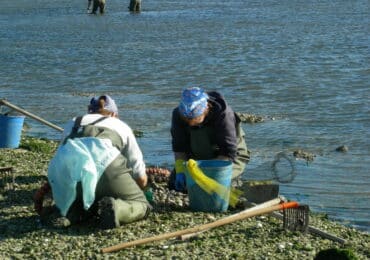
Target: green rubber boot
<point>114,212</point>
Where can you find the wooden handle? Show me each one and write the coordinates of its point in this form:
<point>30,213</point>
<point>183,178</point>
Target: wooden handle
<point>200,228</point>
<point>20,110</point>
<point>262,205</point>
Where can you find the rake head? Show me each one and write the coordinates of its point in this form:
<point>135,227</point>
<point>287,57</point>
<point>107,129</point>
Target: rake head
<point>7,178</point>
<point>296,219</point>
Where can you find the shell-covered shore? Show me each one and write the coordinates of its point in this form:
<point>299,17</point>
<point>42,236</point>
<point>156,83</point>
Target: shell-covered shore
<point>23,236</point>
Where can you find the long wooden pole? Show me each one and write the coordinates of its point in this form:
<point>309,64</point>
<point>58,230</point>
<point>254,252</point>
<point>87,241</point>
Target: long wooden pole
<point>259,206</point>
<point>20,110</point>
<point>200,228</point>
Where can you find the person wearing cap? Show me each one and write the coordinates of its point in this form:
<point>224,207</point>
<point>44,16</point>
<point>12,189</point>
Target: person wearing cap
<point>99,169</point>
<point>204,127</point>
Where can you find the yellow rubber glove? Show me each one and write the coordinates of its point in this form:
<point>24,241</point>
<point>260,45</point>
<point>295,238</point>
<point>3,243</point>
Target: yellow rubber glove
<point>180,166</point>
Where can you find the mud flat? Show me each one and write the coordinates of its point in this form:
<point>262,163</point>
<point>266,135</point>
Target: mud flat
<point>22,236</point>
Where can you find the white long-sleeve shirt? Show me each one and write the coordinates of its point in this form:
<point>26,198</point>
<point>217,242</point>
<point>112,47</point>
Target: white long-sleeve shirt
<point>132,150</point>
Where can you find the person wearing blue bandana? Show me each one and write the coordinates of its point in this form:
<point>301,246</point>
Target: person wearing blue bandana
<point>204,127</point>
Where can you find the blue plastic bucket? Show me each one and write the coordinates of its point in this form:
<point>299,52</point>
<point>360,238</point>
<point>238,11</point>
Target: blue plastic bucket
<point>199,200</point>
<point>10,131</point>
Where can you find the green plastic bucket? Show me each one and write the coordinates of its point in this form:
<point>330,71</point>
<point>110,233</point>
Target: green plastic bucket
<point>199,200</point>
<point>10,131</point>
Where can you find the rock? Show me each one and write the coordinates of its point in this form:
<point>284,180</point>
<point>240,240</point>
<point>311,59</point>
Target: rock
<point>248,118</point>
<point>303,155</point>
<point>342,148</point>
<point>261,191</point>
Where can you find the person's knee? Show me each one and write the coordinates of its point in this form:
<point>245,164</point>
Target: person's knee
<point>130,211</point>
<point>238,170</point>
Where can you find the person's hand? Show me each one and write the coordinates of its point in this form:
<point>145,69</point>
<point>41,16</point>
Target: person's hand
<point>148,192</point>
<point>180,184</point>
<point>141,180</point>
<point>38,197</point>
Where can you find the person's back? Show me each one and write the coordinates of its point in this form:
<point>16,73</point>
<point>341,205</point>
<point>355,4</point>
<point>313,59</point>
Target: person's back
<point>111,171</point>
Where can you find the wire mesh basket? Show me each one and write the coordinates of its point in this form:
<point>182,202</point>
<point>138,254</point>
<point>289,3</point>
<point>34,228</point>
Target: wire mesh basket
<point>7,178</point>
<point>296,219</point>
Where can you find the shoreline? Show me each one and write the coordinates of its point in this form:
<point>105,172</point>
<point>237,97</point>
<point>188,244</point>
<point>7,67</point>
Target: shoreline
<point>262,237</point>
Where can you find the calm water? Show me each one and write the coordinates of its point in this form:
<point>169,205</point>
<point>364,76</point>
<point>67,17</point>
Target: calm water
<point>303,63</point>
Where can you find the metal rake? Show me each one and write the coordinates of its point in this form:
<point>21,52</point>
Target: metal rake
<point>296,219</point>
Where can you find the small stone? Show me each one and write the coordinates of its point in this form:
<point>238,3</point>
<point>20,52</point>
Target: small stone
<point>342,148</point>
<point>300,154</point>
<point>210,217</point>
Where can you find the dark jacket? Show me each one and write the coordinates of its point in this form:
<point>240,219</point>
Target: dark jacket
<point>221,118</point>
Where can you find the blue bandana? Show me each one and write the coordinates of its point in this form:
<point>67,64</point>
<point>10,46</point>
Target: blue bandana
<point>193,102</point>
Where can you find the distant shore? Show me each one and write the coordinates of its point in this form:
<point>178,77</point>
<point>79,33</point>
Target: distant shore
<point>23,236</point>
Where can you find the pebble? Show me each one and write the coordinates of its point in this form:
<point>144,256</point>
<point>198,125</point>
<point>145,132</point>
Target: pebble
<point>342,148</point>
<point>76,243</point>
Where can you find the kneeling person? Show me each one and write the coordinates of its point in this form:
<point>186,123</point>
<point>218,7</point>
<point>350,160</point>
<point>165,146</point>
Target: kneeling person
<point>99,169</point>
<point>204,127</point>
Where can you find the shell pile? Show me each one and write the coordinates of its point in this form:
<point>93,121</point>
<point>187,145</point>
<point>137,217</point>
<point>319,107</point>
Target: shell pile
<point>158,174</point>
